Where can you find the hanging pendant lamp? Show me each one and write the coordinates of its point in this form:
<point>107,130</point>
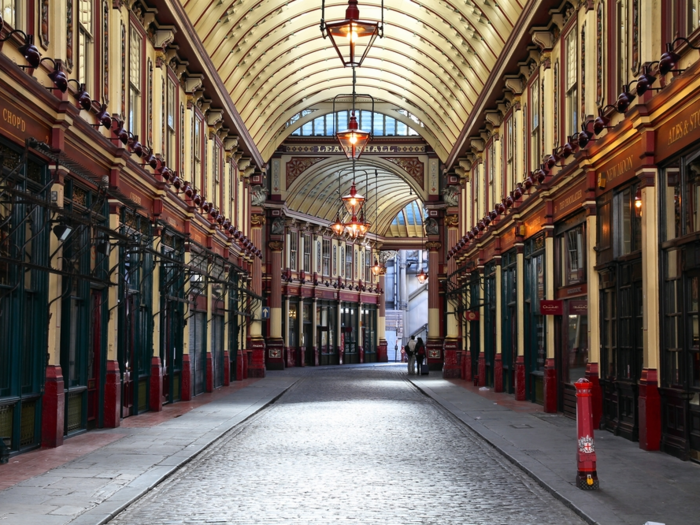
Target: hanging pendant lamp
<point>353,140</point>
<point>352,38</point>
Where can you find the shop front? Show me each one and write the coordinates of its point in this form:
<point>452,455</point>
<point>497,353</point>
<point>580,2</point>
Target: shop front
<point>619,267</point>
<point>135,313</point>
<point>368,326</point>
<point>349,344</point>
<point>535,337</point>
<point>571,328</point>
<point>326,332</point>
<point>23,297</point>
<point>172,307</point>
<point>486,364</point>
<point>679,196</point>
<point>510,320</point>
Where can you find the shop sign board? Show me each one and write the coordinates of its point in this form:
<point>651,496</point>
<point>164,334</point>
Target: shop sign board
<point>622,167</point>
<point>679,131</point>
<point>570,200</point>
<point>16,124</point>
<point>555,307</point>
<point>579,307</point>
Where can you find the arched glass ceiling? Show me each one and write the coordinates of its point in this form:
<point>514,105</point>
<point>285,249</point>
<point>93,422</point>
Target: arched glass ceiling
<point>433,60</point>
<point>328,125</point>
<point>318,192</point>
<point>408,222</point>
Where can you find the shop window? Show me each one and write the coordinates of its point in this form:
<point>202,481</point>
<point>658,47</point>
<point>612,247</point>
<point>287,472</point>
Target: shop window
<point>348,263</point>
<point>673,321</point>
<point>621,37</point>
<point>170,143</point>
<point>693,15</point>
<point>293,249</point>
<point>692,190</point>
<point>368,267</point>
<point>197,157</point>
<point>335,260</point>
<point>628,220</point>
<point>571,253</point>
<point>306,239</point>
<point>571,83</point>
<point>85,41</point>
<point>11,12</point>
<point>318,255</point>
<point>135,41</point>
<point>535,131</point>
<point>326,257</point>
<point>510,154</point>
<point>671,213</point>
<point>341,258</point>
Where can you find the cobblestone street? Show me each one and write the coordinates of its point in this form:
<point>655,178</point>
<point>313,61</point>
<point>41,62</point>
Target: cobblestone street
<point>356,444</point>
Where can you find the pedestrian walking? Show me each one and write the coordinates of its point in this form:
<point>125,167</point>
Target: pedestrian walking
<point>420,354</point>
<point>410,350</point>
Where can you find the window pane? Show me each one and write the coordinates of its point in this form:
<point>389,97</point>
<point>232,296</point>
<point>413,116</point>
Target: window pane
<point>378,124</point>
<point>390,126</point>
<point>319,126</point>
<point>671,218</point>
<point>401,128</point>
<point>693,196</point>
<point>307,129</point>
<point>330,125</point>
<point>342,120</point>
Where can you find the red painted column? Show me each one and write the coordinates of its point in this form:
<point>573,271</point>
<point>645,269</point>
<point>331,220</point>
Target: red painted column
<point>482,369</point>
<point>467,366</point>
<point>498,373</point>
<point>113,395</point>
<point>53,408</point>
<point>155,398</point>
<point>255,364</point>
<point>520,378</point>
<point>186,379</point>
<point>649,411</point>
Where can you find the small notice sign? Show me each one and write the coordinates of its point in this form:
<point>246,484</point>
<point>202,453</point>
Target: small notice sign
<point>551,307</point>
<point>472,315</point>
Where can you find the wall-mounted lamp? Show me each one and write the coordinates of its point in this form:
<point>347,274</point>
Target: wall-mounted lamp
<point>62,231</point>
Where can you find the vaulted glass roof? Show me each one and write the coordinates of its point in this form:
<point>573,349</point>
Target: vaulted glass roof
<point>432,62</point>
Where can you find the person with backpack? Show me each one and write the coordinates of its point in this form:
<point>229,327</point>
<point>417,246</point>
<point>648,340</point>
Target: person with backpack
<point>420,354</point>
<point>410,350</point>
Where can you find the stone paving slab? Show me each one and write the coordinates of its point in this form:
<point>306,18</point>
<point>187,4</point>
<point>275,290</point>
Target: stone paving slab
<point>635,486</point>
<point>94,487</point>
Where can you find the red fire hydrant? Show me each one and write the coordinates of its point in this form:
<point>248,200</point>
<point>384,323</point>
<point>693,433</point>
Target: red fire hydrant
<point>586,477</point>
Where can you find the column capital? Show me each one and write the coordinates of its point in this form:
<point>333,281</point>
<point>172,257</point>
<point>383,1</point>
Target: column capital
<point>433,246</point>
<point>257,220</point>
<point>275,246</point>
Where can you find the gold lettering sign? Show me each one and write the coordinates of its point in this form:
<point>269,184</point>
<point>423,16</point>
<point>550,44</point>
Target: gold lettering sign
<point>682,128</point>
<point>618,169</point>
<point>135,198</point>
<point>568,201</point>
<point>14,120</point>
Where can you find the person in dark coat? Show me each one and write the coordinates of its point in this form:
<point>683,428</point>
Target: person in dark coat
<point>420,353</point>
